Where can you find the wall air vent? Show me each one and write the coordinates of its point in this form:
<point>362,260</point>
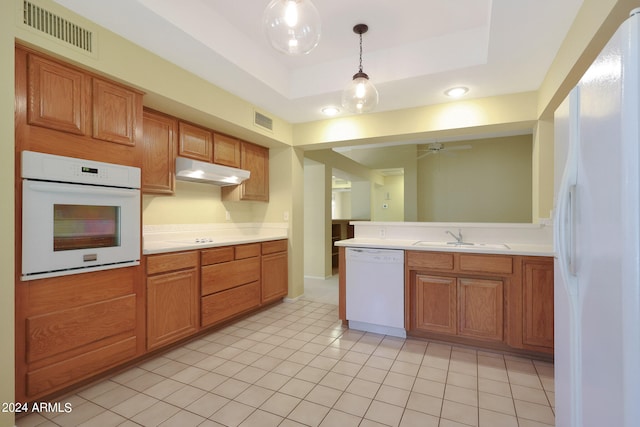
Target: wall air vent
<point>263,121</point>
<point>57,27</point>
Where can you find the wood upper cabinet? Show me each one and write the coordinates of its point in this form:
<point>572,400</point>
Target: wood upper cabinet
<point>172,297</point>
<point>114,113</point>
<point>480,308</point>
<point>275,270</point>
<point>65,110</point>
<point>537,302</point>
<point>255,159</point>
<point>226,150</point>
<point>57,96</point>
<point>159,158</point>
<point>195,142</point>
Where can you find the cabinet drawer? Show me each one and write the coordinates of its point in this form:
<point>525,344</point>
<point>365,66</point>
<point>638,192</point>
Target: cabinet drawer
<point>438,260</point>
<point>274,246</point>
<point>218,277</point>
<point>54,333</point>
<point>225,304</point>
<point>85,365</point>
<point>486,263</point>
<point>217,255</point>
<point>171,262</point>
<point>247,251</point>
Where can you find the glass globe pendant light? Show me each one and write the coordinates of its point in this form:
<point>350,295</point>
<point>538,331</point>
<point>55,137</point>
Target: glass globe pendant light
<point>361,95</point>
<point>292,26</point>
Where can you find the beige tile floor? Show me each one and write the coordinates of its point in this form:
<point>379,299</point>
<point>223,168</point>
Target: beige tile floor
<point>295,365</point>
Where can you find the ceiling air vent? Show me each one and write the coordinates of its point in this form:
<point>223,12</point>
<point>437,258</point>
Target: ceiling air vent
<point>44,21</point>
<point>263,121</point>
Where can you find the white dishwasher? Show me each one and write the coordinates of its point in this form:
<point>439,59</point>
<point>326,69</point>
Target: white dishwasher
<point>375,290</point>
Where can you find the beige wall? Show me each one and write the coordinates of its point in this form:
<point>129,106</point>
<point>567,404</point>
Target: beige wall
<point>317,230</point>
<point>543,170</point>
<point>472,117</point>
<point>6,211</point>
<point>491,182</point>
<point>388,199</point>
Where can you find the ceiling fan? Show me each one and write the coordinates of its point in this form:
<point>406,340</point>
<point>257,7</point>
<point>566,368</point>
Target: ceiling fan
<point>437,147</point>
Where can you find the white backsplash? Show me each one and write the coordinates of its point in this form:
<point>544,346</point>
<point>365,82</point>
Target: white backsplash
<point>154,233</point>
<point>534,234</point>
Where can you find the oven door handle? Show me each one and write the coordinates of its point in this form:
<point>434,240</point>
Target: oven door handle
<point>54,187</point>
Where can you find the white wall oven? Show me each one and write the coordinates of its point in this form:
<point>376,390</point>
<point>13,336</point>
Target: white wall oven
<point>78,215</point>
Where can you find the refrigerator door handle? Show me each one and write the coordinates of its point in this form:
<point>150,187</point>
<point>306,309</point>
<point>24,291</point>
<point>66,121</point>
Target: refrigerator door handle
<point>565,220</point>
<point>571,231</point>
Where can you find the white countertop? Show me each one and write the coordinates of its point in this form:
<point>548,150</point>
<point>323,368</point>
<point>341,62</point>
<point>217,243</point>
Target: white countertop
<point>173,238</point>
<point>514,248</point>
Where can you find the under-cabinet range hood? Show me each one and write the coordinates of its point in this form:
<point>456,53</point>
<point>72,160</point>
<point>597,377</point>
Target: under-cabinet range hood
<point>211,173</point>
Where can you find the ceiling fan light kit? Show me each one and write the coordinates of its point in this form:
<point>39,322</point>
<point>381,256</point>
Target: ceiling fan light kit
<point>360,96</point>
<point>292,26</point>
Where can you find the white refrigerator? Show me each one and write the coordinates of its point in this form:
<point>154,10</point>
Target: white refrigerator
<point>597,241</point>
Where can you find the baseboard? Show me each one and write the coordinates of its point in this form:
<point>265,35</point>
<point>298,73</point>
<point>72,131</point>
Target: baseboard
<point>290,300</point>
<point>318,277</point>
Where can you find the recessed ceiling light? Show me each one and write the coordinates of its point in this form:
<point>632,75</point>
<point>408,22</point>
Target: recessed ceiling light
<point>330,111</point>
<point>456,92</point>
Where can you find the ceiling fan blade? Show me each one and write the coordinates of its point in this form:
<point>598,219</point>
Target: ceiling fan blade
<point>425,154</point>
<point>457,147</point>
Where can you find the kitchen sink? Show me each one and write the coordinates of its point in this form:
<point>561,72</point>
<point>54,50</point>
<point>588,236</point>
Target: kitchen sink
<point>461,245</point>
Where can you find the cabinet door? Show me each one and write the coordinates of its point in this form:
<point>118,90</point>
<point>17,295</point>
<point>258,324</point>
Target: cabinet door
<point>226,150</point>
<point>159,158</point>
<point>435,304</point>
<point>195,143</point>
<point>480,308</point>
<point>275,276</point>
<point>114,113</point>
<point>537,301</point>
<point>256,160</point>
<point>172,307</point>
<point>57,96</point>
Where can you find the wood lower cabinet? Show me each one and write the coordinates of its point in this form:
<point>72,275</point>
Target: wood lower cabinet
<point>172,297</point>
<point>159,159</point>
<point>230,281</point>
<point>459,306</point>
<point>275,271</point>
<point>537,303</point>
<point>71,328</point>
<point>501,300</point>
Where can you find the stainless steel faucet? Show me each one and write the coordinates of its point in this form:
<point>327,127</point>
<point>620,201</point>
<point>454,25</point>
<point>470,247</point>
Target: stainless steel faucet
<point>458,237</point>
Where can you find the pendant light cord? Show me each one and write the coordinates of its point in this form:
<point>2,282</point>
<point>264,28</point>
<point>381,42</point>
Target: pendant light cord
<point>360,69</point>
